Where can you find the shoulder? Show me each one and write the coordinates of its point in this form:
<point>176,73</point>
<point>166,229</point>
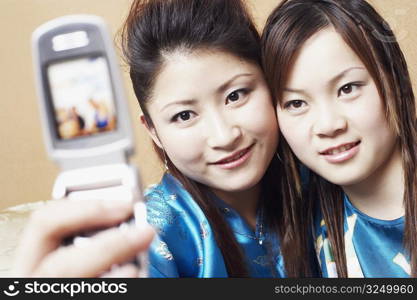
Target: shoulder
<point>169,204</point>
<point>183,230</point>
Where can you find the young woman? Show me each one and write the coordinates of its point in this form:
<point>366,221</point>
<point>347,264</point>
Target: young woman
<point>219,211</point>
<point>195,69</point>
<point>346,109</point>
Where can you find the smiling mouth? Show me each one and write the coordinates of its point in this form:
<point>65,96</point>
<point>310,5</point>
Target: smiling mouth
<point>340,149</point>
<point>234,157</point>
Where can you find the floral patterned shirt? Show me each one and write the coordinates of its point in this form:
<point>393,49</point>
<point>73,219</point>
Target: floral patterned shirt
<point>374,248</point>
<point>185,245</point>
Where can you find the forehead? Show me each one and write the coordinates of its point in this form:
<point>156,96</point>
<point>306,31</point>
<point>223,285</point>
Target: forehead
<point>190,74</point>
<point>323,55</point>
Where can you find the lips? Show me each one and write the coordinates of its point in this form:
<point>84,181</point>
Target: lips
<point>339,149</point>
<point>234,160</point>
<point>341,153</point>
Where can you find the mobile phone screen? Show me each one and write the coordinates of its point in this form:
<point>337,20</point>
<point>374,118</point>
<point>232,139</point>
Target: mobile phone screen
<point>82,97</point>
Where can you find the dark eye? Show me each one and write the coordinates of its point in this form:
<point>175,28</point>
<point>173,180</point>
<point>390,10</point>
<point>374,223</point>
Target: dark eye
<point>236,95</point>
<point>295,106</point>
<point>349,88</point>
<point>297,103</point>
<point>182,116</point>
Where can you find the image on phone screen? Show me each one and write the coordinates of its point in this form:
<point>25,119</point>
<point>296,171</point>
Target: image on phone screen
<point>82,97</point>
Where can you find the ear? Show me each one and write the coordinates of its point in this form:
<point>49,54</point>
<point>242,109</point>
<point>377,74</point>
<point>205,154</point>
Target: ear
<point>150,129</point>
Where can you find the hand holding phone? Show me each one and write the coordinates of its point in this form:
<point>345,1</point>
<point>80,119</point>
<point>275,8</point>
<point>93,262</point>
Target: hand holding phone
<point>86,122</point>
<point>40,253</point>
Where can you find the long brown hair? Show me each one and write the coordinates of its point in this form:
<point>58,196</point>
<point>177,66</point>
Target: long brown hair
<point>371,38</point>
<point>155,28</point>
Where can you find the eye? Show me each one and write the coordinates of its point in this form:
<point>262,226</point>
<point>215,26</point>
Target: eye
<point>349,88</point>
<point>183,116</point>
<point>236,95</point>
<point>295,105</point>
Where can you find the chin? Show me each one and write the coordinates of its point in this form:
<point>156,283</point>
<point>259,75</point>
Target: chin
<point>341,178</point>
<point>239,184</point>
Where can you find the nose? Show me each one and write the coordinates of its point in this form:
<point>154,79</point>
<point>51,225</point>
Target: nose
<point>329,122</point>
<point>222,133</point>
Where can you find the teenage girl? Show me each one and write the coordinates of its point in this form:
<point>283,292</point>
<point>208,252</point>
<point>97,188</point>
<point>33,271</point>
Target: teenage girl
<point>346,109</point>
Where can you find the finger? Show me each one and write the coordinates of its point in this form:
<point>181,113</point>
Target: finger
<point>48,226</point>
<point>98,255</point>
<point>124,271</point>
<point>64,218</point>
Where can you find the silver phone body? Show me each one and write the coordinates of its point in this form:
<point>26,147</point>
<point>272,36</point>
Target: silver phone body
<point>84,113</point>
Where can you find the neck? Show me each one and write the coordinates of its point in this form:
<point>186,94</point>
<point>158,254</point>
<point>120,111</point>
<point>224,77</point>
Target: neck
<point>244,202</point>
<point>381,194</point>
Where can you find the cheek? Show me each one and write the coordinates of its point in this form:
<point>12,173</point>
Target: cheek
<point>260,118</point>
<point>375,128</point>
<point>183,146</point>
<point>294,133</point>
<point>369,116</point>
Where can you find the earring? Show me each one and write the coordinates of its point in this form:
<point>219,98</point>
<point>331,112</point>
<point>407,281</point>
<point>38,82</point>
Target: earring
<point>165,161</point>
<point>279,157</point>
<point>163,151</point>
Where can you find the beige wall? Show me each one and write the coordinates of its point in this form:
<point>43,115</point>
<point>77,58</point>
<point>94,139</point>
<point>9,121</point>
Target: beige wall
<point>26,174</point>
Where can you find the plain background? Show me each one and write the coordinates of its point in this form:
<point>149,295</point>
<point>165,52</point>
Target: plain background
<point>26,173</point>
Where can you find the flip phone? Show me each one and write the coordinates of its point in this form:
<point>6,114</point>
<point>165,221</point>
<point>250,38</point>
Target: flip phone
<point>84,113</point>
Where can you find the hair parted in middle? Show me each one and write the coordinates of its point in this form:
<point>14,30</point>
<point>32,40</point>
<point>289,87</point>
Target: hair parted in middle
<point>289,26</point>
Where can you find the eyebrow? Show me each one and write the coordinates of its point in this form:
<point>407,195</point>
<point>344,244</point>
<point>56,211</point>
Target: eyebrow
<point>180,102</point>
<point>331,81</point>
<point>220,89</point>
<point>225,85</point>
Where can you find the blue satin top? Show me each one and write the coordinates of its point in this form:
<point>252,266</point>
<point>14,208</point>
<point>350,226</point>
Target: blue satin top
<point>374,248</point>
<point>185,245</point>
